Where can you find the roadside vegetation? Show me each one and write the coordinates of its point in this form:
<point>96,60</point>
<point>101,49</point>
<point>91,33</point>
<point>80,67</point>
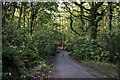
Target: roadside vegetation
<point>28,38</point>
<point>96,26</point>
<point>32,32</point>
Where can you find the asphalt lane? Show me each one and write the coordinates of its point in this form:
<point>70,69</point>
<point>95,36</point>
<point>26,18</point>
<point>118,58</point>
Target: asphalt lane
<point>65,67</point>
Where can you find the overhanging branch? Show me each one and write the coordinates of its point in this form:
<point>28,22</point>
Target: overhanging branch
<point>81,6</point>
<point>81,16</point>
<point>71,22</point>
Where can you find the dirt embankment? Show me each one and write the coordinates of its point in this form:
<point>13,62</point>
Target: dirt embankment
<point>100,69</point>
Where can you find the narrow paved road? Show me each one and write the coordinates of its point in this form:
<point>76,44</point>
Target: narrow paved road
<point>67,68</point>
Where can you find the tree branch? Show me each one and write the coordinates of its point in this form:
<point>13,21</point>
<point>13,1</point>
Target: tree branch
<point>81,6</point>
<point>101,14</point>
<point>72,26</point>
<point>82,16</point>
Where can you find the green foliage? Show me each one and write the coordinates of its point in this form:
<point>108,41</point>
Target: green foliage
<point>32,30</point>
<point>96,29</point>
<point>88,49</point>
<point>21,50</point>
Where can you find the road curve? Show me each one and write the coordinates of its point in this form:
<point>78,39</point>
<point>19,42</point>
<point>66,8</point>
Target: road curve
<point>67,68</point>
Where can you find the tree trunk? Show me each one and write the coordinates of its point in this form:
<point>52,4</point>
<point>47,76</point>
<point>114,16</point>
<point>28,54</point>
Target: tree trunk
<point>24,17</point>
<point>32,19</point>
<point>31,24</point>
<point>13,13</point>
<point>5,12</point>
<point>111,49</point>
<point>20,14</point>
<point>94,24</point>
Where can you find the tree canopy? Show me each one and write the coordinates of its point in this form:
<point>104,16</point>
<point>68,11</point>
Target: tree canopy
<point>33,31</point>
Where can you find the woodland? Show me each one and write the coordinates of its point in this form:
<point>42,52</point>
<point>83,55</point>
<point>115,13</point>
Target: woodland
<point>32,33</point>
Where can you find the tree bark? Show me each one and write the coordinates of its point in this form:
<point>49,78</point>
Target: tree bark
<point>13,12</point>
<point>111,49</point>
<point>93,22</point>
<point>20,14</point>
<point>71,22</point>
<point>24,17</point>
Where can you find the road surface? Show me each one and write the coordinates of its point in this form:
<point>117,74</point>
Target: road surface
<point>65,67</point>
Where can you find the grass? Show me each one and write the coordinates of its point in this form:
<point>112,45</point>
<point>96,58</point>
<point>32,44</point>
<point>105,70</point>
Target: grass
<point>107,65</point>
<point>112,68</point>
<point>103,68</point>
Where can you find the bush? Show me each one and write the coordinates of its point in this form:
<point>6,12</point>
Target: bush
<point>22,52</point>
